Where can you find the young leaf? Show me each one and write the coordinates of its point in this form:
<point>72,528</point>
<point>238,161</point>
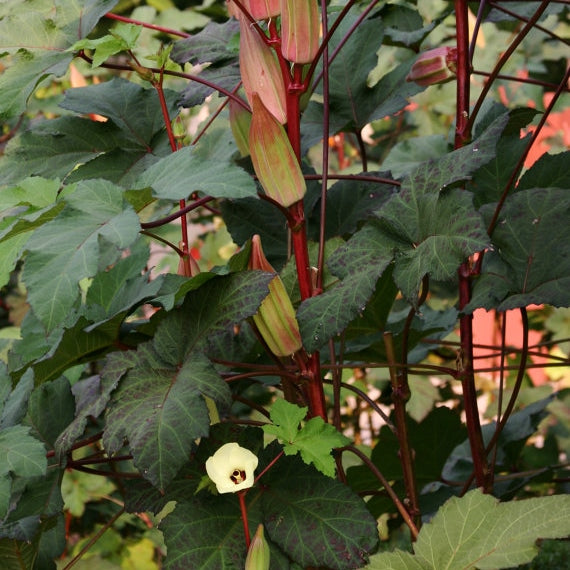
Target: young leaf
<point>286,418</point>
<point>478,531</point>
<point>315,440</point>
<point>122,37</point>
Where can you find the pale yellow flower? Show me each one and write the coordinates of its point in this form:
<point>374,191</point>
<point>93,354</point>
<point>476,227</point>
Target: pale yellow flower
<point>231,468</point>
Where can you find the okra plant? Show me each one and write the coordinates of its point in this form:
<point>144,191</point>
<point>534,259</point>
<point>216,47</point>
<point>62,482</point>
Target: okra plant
<point>246,251</point>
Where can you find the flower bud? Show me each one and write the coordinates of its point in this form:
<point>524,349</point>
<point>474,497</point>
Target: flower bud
<point>240,120</point>
<point>187,265</point>
<point>273,158</point>
<point>275,319</point>
<point>260,71</point>
<point>434,66</point>
<point>258,555</point>
<point>300,25</point>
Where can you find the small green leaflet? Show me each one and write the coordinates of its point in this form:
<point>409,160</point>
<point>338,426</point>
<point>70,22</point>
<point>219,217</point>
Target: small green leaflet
<point>123,37</point>
<point>315,440</point>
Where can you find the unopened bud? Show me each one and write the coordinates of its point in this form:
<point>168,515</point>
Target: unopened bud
<point>260,71</point>
<point>240,120</point>
<point>258,555</point>
<point>187,265</point>
<point>436,65</point>
<point>300,25</point>
<point>273,158</point>
<point>275,319</point>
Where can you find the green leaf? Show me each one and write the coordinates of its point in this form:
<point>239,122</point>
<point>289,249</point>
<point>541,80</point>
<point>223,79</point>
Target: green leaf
<point>92,229</point>
<point>407,155</point>
<point>159,405</point>
<point>132,108</point>
<point>122,288</point>
<point>521,269</point>
<point>57,147</point>
<point>66,348</point>
<point>40,36</point>
<point>286,418</point>
<point>26,207</point>
<point>405,26</point>
<point>207,533</point>
<point>350,202</point>
<point>439,225</point>
<point>478,531</point>
<point>211,46</point>
<point>36,507</point>
<point>316,520</point>
<point>314,441</point>
<point>519,427</point>
<point>18,554</point>
<point>489,181</point>
<point>549,171</point>
<point>123,37</point>
<point>14,407</point>
<point>79,488</point>
<point>161,411</point>
<point>51,410</point>
<point>250,216</point>
<point>77,148</point>
<point>91,396</point>
<point>185,171</point>
<point>20,453</point>
<point>352,102</point>
<point>358,264</point>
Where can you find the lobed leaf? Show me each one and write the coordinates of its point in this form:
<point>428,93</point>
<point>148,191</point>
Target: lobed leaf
<point>159,406</point>
<point>314,441</point>
<point>90,231</point>
<point>179,174</point>
<point>530,263</point>
<point>316,520</point>
<point>40,36</point>
<point>478,531</point>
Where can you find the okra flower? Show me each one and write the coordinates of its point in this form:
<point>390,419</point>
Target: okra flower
<point>436,65</point>
<point>231,468</point>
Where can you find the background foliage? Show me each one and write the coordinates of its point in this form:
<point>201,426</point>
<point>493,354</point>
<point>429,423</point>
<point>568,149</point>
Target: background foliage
<point>424,422</point>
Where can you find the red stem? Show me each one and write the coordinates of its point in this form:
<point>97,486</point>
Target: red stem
<point>243,508</point>
<point>162,29</point>
<point>465,360</point>
<point>174,146</point>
